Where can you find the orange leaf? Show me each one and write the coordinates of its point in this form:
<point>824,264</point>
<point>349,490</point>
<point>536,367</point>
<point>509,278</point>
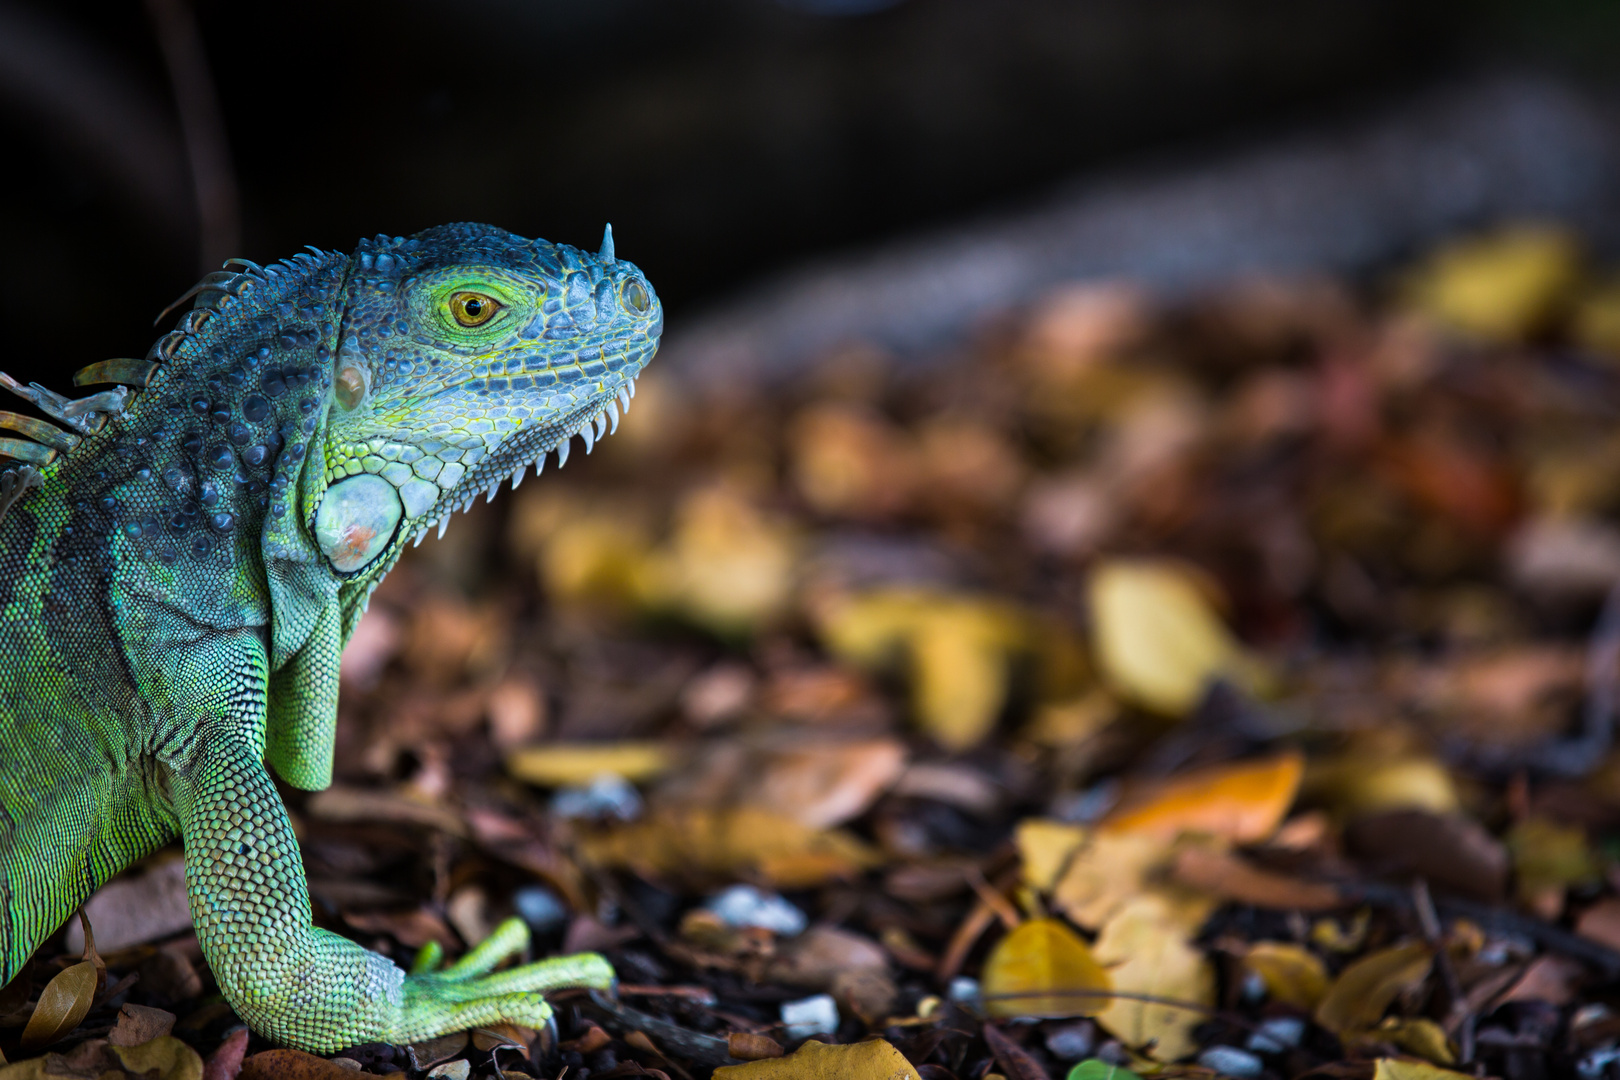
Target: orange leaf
<point>1243,803</point>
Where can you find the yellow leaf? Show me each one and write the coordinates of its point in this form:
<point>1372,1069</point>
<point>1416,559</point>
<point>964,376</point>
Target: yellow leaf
<point>1158,640</point>
<point>1147,945</point>
<point>166,1056</point>
<point>62,1004</point>
<point>728,566</point>
<point>1292,973</point>
<point>1046,848</point>
<point>1398,1069</point>
<point>1358,997</point>
<point>1549,856</point>
<point>958,649</point>
<point>1243,803</point>
<point>1503,286</point>
<point>874,1059</point>
<point>563,764</point>
<point>1106,872</point>
<point>1419,1035</point>
<point>1367,784</point>
<point>1045,964</point>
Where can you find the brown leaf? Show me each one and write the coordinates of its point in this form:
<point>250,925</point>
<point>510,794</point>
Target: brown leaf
<point>1452,852</point>
<point>749,1046</point>
<point>291,1065</point>
<point>138,1024</point>
<point>1601,922</point>
<point>225,1063</point>
<point>62,1004</point>
<point>1232,878</point>
<point>1014,1060</point>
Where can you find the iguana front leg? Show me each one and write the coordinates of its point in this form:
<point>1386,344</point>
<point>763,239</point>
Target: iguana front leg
<point>304,986</point>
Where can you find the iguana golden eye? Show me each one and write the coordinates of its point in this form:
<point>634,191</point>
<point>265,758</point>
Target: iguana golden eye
<point>473,309</point>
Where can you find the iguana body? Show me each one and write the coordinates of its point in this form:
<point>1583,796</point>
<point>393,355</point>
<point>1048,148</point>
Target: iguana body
<point>175,595</point>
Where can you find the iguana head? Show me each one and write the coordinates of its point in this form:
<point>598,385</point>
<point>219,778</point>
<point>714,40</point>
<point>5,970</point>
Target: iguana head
<point>464,355</point>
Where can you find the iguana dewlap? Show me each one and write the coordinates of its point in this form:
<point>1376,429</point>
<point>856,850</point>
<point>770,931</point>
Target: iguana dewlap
<point>176,591</point>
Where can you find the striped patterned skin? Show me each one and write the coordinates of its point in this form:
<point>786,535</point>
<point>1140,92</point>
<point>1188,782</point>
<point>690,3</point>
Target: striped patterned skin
<point>175,595</point>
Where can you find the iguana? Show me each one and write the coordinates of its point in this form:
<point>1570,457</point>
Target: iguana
<point>180,567</point>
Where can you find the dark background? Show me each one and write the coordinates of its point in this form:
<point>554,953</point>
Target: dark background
<point>725,139</point>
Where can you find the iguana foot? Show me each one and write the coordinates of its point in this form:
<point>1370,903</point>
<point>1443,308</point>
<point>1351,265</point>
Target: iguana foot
<point>465,994</point>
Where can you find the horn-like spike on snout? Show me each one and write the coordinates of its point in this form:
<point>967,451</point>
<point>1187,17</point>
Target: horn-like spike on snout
<point>606,254</point>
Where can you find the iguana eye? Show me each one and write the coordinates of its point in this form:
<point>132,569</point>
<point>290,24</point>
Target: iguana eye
<point>473,309</point>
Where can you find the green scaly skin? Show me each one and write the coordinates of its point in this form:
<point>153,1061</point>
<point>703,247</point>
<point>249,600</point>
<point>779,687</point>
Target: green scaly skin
<point>175,595</point>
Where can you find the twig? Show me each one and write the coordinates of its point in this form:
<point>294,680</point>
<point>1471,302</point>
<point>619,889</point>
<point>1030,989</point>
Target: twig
<point>202,128</point>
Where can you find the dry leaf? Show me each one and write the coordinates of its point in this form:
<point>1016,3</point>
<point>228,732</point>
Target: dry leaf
<point>1364,989</point>
<point>1158,640</point>
<point>62,1004</point>
<point>874,1059</point>
<point>1243,803</point>
<point>1148,949</point>
<point>139,1023</point>
<point>1017,1061</point>
<point>1042,968</point>
<point>1107,871</point>
<point>728,566</point>
<point>1549,858</point>
<point>778,849</point>
<point>162,1058</point>
<point>1418,1035</point>
<point>823,784</point>
<point>1230,877</point>
<point>1045,848</point>
<point>1292,973</point>
<point>749,1046</point>
<point>225,1063</point>
<point>291,1065</point>
<point>1452,852</point>
<point>958,649</point>
<point>1502,286</point>
<point>1400,1069</point>
<point>571,764</point>
<point>134,909</point>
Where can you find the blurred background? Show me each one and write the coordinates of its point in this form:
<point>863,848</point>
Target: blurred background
<point>727,140</point>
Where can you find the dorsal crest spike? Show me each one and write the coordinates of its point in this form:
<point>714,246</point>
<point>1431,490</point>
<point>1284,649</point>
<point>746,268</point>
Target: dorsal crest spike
<point>606,254</point>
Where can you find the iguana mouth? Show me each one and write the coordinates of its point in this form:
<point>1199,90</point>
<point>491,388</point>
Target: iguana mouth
<point>529,449</point>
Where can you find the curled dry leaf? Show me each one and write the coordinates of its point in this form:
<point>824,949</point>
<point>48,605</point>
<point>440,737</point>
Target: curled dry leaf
<point>875,1059</point>
<point>1043,968</point>
<point>1158,640</point>
<point>225,1063</point>
<point>62,1005</point>
<point>291,1065</point>
<point>1243,803</point>
<point>1364,989</point>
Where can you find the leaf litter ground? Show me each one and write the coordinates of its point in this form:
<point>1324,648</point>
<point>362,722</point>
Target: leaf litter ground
<point>1217,686</point>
